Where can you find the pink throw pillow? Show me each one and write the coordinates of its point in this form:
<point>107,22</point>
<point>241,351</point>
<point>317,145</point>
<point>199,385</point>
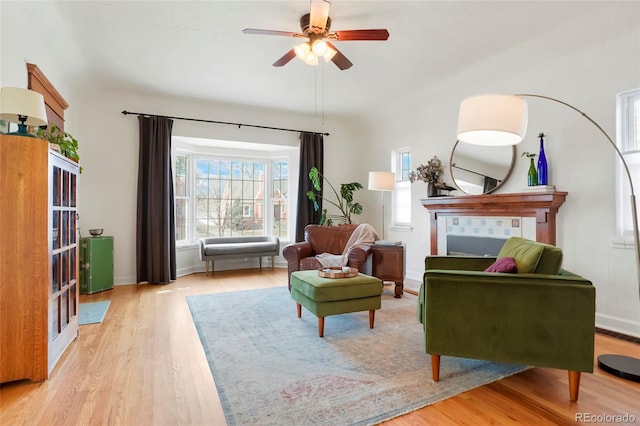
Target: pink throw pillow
<point>504,264</point>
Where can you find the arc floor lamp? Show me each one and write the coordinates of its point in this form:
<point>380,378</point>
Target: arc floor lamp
<point>502,120</point>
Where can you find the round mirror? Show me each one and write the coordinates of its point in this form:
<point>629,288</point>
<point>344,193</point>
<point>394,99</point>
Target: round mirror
<point>478,169</point>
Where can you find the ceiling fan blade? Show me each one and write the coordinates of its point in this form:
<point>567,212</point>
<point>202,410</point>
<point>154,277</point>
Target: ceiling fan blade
<point>285,59</point>
<point>339,59</point>
<point>271,32</point>
<point>348,35</point>
<point>318,15</point>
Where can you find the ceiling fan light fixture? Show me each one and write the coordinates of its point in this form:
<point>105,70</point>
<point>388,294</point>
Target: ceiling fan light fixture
<point>319,47</point>
<point>311,59</point>
<point>329,54</point>
<point>302,50</point>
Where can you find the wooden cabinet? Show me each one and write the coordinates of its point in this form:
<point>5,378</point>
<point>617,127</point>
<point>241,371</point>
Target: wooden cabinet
<point>38,258</point>
<point>388,265</point>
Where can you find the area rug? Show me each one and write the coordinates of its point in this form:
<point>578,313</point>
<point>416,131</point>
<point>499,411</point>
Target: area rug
<point>271,368</point>
<point>94,312</point>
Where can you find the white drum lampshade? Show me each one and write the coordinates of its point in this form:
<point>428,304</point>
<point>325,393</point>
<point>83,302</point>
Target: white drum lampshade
<point>22,106</point>
<point>493,120</point>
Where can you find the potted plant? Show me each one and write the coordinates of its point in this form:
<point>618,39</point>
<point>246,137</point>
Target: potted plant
<point>68,144</point>
<point>344,200</point>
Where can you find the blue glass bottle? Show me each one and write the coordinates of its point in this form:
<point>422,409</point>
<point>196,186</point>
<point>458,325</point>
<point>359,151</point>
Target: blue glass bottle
<point>543,177</point>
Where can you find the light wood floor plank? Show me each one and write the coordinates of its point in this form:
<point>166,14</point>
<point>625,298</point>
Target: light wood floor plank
<point>144,365</point>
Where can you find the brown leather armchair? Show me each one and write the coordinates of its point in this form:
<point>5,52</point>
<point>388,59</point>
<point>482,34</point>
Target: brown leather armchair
<point>324,239</point>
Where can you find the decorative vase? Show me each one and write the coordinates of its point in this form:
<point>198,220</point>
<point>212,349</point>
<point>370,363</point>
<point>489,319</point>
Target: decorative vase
<point>543,177</point>
<point>432,190</point>
<point>532,176</point>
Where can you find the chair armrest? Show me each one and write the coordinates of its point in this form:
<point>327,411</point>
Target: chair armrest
<point>296,251</point>
<point>357,256</point>
<point>535,319</point>
<point>467,263</point>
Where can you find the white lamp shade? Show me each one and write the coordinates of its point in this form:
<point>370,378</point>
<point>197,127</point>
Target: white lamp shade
<point>382,181</point>
<point>16,102</point>
<point>493,120</point>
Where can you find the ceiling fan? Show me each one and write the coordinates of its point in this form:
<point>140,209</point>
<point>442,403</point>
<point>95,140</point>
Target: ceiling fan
<point>316,26</point>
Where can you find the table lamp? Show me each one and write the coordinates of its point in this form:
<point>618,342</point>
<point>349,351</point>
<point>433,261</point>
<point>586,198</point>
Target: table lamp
<point>22,106</point>
<point>495,120</point>
<point>382,181</point>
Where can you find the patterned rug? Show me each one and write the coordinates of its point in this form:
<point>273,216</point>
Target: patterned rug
<point>271,368</point>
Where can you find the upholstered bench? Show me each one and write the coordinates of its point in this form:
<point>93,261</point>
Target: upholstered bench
<point>221,248</point>
<point>334,296</point>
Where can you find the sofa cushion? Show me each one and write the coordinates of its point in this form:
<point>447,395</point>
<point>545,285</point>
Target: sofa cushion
<point>550,261</point>
<point>503,264</point>
<point>526,253</point>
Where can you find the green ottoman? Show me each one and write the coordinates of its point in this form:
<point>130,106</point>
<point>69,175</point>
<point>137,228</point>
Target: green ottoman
<point>334,296</point>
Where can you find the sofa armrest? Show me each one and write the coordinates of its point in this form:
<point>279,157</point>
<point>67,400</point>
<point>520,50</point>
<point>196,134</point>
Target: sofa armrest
<point>536,319</point>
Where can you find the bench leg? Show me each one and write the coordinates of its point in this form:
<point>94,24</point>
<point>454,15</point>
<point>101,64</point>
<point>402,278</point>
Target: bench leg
<point>260,262</point>
<point>272,262</point>
<point>321,326</point>
<point>574,385</point>
<point>206,267</point>
<point>435,367</point>
<point>372,317</point>
<point>299,310</point>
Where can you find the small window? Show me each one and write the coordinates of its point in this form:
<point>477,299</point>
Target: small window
<point>401,201</point>
<point>628,140</point>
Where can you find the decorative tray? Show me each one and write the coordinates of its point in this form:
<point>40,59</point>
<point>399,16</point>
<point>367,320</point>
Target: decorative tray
<point>337,273</point>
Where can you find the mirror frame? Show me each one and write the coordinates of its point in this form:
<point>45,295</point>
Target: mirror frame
<point>504,179</point>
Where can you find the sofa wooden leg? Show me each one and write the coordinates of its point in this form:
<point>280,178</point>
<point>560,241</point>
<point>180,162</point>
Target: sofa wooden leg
<point>372,317</point>
<point>435,367</point>
<point>321,326</point>
<point>299,310</point>
<point>574,384</point>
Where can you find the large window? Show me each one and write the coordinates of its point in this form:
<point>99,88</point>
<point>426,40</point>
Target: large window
<point>223,192</point>
<point>401,166</point>
<point>628,138</point>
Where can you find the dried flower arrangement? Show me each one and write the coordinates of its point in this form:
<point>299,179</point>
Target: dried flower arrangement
<point>430,173</point>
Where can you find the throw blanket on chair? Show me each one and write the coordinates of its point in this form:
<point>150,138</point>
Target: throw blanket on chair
<point>363,234</point>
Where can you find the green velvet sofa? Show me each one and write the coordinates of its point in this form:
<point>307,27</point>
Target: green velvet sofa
<point>543,317</point>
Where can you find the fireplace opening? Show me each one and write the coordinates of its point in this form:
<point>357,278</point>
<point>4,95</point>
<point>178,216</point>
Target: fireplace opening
<point>464,245</point>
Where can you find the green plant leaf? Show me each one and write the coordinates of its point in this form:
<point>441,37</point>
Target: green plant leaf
<point>314,175</point>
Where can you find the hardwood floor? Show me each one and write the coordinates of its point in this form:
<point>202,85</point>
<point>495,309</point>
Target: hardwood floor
<point>144,365</point>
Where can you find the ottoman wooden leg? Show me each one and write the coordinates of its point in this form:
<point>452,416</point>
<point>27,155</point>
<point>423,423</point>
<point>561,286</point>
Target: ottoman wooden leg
<point>321,326</point>
<point>299,310</point>
<point>372,317</point>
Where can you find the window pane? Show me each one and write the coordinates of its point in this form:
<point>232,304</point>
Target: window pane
<point>180,173</point>
<point>279,198</point>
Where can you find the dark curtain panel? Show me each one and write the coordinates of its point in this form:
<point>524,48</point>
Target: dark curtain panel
<point>311,154</point>
<point>489,184</point>
<point>155,234</point>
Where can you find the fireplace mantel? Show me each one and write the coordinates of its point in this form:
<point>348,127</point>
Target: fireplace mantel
<point>541,205</point>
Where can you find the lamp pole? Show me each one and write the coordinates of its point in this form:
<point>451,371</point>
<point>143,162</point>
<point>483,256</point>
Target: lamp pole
<point>619,365</point>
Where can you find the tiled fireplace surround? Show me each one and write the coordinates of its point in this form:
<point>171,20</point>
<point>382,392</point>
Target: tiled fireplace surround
<point>493,217</point>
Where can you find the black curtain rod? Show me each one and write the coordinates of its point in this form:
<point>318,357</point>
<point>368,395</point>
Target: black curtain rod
<point>222,122</point>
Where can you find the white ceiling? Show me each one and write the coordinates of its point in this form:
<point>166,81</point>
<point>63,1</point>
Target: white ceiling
<point>197,49</point>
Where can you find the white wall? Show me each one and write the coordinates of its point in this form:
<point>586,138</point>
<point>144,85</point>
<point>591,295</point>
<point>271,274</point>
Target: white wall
<point>585,63</point>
